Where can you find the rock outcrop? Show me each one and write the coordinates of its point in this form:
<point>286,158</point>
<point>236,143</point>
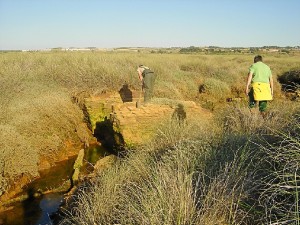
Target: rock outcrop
<point>116,122</point>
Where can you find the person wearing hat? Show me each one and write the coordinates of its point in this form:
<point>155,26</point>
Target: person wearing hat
<point>147,77</point>
<point>259,85</point>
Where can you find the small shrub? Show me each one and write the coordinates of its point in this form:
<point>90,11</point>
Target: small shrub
<point>216,88</point>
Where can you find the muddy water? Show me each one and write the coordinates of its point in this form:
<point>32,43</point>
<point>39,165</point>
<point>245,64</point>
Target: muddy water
<point>33,210</point>
<point>37,209</point>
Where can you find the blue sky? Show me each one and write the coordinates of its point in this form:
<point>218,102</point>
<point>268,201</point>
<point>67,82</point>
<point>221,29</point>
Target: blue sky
<point>38,24</point>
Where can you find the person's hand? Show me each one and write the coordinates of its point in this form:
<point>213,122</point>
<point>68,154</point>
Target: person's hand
<point>247,91</point>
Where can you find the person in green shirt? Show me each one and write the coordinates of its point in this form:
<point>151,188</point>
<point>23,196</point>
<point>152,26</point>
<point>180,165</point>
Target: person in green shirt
<point>259,85</point>
<point>147,77</point>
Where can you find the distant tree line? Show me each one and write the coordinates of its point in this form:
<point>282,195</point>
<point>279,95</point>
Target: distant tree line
<point>190,49</point>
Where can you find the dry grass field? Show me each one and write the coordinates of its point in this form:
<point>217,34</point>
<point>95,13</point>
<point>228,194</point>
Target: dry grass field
<point>238,170</point>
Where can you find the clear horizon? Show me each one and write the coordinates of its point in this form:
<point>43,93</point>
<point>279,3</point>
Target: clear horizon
<point>35,25</point>
<point>136,47</point>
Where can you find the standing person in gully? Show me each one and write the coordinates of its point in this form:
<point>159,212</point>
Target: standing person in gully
<point>147,77</point>
<point>259,85</point>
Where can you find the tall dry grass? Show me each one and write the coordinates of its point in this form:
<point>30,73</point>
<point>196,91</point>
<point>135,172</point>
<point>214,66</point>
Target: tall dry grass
<point>37,115</point>
<point>152,186</point>
<point>202,173</point>
<point>280,186</point>
<point>273,145</point>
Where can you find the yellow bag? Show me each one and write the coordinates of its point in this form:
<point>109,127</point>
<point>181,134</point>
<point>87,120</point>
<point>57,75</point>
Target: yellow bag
<point>262,91</point>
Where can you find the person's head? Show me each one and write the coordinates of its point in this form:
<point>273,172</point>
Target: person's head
<point>257,58</point>
<point>141,68</point>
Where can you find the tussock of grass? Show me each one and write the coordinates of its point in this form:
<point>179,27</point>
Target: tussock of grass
<point>216,87</point>
<point>35,128</point>
<point>240,119</point>
<point>280,192</point>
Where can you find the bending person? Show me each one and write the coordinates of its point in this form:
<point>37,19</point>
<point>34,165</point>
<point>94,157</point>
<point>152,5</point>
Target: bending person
<point>147,78</point>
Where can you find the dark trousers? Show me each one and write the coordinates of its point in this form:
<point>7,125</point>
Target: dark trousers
<point>149,80</point>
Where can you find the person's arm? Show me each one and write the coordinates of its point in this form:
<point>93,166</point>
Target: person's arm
<point>250,74</point>
<point>271,84</point>
<point>140,74</point>
<point>140,77</point>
